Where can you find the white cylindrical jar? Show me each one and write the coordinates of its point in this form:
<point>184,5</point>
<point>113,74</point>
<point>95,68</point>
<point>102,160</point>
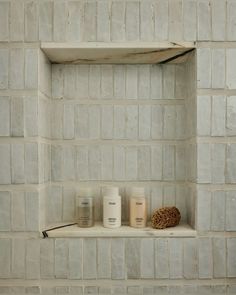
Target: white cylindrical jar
<point>138,207</point>
<point>111,208</point>
<point>85,208</point>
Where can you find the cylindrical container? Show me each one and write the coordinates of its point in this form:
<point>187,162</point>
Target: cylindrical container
<point>111,208</point>
<point>138,207</point>
<point>85,208</point>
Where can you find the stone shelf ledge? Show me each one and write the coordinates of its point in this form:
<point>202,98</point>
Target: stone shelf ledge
<point>117,53</point>
<point>182,230</point>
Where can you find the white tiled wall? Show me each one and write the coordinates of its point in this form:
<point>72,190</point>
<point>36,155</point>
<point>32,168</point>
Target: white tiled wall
<point>159,20</point>
<point>31,122</point>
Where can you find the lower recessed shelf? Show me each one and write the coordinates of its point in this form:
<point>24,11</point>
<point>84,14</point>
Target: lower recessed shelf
<point>182,230</point>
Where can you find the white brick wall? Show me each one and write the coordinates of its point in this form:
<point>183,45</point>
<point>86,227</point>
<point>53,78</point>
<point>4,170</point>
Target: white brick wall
<point>142,104</point>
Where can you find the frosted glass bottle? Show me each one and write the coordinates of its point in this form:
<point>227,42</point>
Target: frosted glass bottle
<point>85,208</point>
<point>111,208</point>
<point>138,208</point>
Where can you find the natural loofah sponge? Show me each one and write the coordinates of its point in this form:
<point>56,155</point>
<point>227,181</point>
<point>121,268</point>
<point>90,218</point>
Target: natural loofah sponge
<point>165,217</point>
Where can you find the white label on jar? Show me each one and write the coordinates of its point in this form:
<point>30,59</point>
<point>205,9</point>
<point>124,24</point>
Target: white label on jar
<point>85,202</point>
<point>111,213</point>
<point>138,213</point>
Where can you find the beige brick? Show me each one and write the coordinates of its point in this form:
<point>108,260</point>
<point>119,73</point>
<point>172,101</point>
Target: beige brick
<point>104,258</point>
<point>144,122</point>
<point>5,258</point>
<point>162,258</point>
<point>118,259</point>
<point>17,21</point>
<point>46,21</point>
<point>118,21</point>
<point>132,257</point>
<point>18,258</point>
<point>168,162</point>
<point>119,163</point>
<point>18,211</point>
<point>89,258</point>
<point>230,211</point>
<point>147,261</point>
<point>218,68</point>
<point>74,22</point>
<point>5,173</point>
<point>5,212</point>
<point>131,81</point>
<point>31,21</point>
<point>144,163</point>
<point>4,53</point>
<point>90,21</point>
<point>205,258</point>
<point>190,258</point>
<point>32,211</point>
<point>204,20</point>
<point>4,116</point>
<point>47,258</point>
<point>4,21</point>
<point>31,68</point>
<point>231,258</point>
<point>161,20</point>
<point>175,20</point>
<point>103,21</point>
<point>218,211</point>
<point>61,258</point>
<point>32,259</point>
<point>190,19</point>
<point>218,15</point>
<point>17,116</point>
<point>146,21</point>
<point>230,66</point>
<point>131,127</point>
<point>106,162</point>
<point>132,21</point>
<point>156,82</point>
<point>106,81</point>
<point>231,20</point>
<point>94,83</point>
<point>218,117</point>
<point>131,160</point>
<point>219,256</point>
<point>16,73</point>
<point>59,21</point>
<point>75,258</point>
<point>203,67</point>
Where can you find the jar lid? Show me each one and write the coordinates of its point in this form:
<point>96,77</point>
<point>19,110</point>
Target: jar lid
<point>111,191</point>
<point>85,192</point>
<point>138,192</point>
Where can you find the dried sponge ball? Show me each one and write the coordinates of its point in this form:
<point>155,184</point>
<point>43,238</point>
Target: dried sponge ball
<point>165,217</point>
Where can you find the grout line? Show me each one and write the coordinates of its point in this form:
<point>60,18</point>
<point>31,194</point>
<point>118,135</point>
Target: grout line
<point>12,93</point>
<point>42,140</point>
<point>113,101</point>
<point>212,91</point>
<point>215,44</point>
<point>109,282</point>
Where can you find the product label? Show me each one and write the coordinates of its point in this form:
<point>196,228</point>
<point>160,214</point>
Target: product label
<point>85,202</point>
<point>112,220</point>
<point>139,203</point>
<point>85,215</point>
<point>139,220</point>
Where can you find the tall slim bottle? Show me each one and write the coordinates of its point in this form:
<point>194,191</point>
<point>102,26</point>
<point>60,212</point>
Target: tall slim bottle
<point>138,207</point>
<point>111,208</point>
<point>85,208</point>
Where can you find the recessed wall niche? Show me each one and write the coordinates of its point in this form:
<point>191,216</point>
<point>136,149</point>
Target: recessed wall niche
<point>121,117</point>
